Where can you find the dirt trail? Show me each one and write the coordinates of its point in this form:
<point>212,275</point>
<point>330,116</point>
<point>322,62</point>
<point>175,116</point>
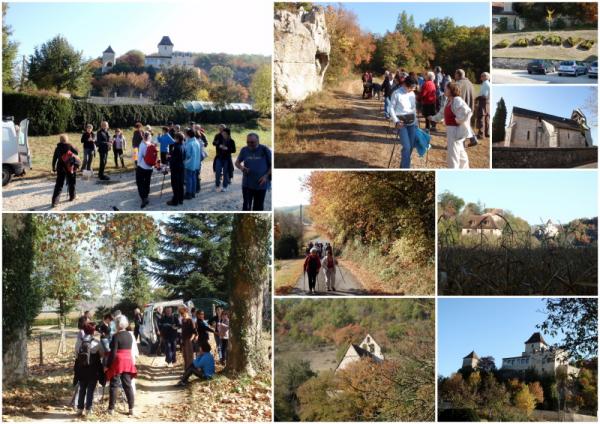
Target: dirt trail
<point>350,132</point>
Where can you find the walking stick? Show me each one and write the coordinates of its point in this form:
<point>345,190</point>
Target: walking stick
<point>393,150</point>
<point>304,280</point>
<point>163,184</point>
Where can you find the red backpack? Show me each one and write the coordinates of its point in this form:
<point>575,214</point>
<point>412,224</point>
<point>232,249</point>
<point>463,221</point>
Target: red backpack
<point>70,161</point>
<point>151,156</point>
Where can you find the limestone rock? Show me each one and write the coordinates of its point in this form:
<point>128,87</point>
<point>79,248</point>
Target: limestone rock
<point>301,55</point>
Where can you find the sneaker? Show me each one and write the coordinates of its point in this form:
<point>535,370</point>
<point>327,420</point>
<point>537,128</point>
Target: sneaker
<point>110,412</point>
<point>181,384</point>
<point>132,412</point>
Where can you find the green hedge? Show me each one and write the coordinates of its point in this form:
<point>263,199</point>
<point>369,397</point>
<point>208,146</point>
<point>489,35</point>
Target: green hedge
<point>573,41</point>
<point>538,40</point>
<point>50,114</point>
<point>586,44</point>
<point>521,42</point>
<point>502,44</point>
<point>554,40</point>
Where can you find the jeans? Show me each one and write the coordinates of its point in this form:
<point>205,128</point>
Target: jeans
<point>103,159</point>
<point>88,158</point>
<point>119,155</point>
<point>407,136</point>
<point>253,199</point>
<point>190,182</point>
<point>223,350</point>
<point>192,370</point>
<point>222,167</point>
<point>170,350</point>
<point>125,380</point>
<point>86,393</point>
<point>386,106</point>
<point>61,176</point>
<point>143,177</point>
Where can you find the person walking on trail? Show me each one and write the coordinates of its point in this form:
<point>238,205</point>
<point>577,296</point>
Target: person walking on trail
<point>88,139</point>
<point>165,140</point>
<point>65,164</point>
<point>386,88</point>
<point>202,329</point>
<point>312,266</point>
<point>456,115</point>
<point>177,168</point>
<point>138,320</point>
<point>428,100</point>
<point>438,77</point>
<point>187,334</point>
<point>202,367</point>
<point>466,93</point>
<point>103,143</point>
<point>403,110</point>
<point>168,329</point>
<point>147,155</point>
<point>88,369</point>
<point>329,265</point>
<point>120,367</point>
<point>223,328</point>
<point>136,139</point>
<point>191,161</point>
<point>483,107</point>
<point>223,163</point>
<point>214,321</point>
<point>254,161</point>
<point>118,145</point>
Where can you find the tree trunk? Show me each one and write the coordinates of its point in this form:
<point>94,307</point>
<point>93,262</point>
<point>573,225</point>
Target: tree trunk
<point>14,358</point>
<point>247,276</point>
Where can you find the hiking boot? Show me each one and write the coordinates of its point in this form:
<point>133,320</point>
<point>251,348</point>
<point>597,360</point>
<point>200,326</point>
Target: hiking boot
<point>188,196</point>
<point>72,198</point>
<point>104,178</point>
<point>181,384</point>
<point>225,189</point>
<point>145,203</point>
<point>110,412</point>
<point>172,203</point>
<point>80,412</point>
<point>132,412</point>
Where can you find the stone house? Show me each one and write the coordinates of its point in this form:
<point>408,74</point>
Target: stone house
<point>504,11</point>
<point>368,348</point>
<point>489,224</point>
<point>547,230</point>
<point>532,129</point>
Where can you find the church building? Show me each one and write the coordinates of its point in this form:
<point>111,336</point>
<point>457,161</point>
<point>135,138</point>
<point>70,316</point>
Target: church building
<point>368,348</point>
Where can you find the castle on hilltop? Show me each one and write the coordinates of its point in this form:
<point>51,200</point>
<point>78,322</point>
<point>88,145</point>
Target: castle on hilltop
<point>164,58</point>
<point>538,355</point>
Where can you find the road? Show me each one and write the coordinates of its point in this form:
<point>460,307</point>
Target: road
<point>518,76</point>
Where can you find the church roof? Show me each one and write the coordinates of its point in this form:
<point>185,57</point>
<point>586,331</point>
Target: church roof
<point>536,338</point>
<point>556,120</point>
<point>165,41</point>
<point>108,50</point>
<point>471,355</point>
<point>363,353</point>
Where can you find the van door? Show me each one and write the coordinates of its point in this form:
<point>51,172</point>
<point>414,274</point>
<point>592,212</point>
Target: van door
<point>23,143</point>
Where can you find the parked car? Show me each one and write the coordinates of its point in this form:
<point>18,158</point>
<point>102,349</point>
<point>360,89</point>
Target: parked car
<point>571,67</point>
<point>16,156</point>
<point>540,66</point>
<point>149,337</point>
<point>593,70</point>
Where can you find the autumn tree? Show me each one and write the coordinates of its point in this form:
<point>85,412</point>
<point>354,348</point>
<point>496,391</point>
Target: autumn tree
<point>487,364</point>
<point>260,90</point>
<point>524,400</point>
<point>132,58</point>
<point>499,122</point>
<point>450,203</point>
<point>9,52</point>
<point>247,274</point>
<point>177,83</point>
<point>536,390</point>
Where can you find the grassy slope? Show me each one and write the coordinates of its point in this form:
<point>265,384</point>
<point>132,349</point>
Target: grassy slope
<point>42,147</point>
<point>546,52</point>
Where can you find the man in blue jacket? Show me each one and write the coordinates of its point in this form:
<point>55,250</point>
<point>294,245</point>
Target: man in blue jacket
<point>203,366</point>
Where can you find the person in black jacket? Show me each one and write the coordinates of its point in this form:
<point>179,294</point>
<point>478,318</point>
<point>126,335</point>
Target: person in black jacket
<point>138,320</point>
<point>223,163</point>
<point>177,170</point>
<point>88,139</point>
<point>137,138</point>
<point>88,368</point>
<point>103,142</point>
<point>386,87</point>
<point>168,329</point>
<point>202,328</point>
<point>65,170</point>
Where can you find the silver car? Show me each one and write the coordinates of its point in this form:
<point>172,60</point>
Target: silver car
<point>593,70</point>
<point>571,67</point>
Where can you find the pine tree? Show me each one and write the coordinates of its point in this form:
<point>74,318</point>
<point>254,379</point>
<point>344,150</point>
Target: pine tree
<point>9,53</point>
<point>192,255</point>
<point>135,284</point>
<point>499,122</point>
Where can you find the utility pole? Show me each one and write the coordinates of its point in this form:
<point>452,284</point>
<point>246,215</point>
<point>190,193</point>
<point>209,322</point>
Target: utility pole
<point>301,226</point>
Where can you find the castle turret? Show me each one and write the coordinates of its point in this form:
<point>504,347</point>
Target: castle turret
<point>471,360</point>
<point>165,47</point>
<point>535,343</point>
<point>108,59</point>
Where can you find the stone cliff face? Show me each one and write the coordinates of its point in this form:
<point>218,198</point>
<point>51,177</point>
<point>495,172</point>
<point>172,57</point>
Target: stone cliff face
<point>301,54</point>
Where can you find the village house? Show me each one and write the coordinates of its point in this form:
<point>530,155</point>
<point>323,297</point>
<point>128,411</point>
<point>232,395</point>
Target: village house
<point>368,348</point>
<point>532,129</point>
<point>503,11</point>
<point>164,58</point>
<point>547,230</point>
<point>488,224</point>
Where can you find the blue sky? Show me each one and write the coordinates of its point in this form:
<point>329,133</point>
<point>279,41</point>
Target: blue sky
<point>492,327</point>
<point>381,17</point>
<point>560,195</point>
<point>203,26</point>
<point>555,100</point>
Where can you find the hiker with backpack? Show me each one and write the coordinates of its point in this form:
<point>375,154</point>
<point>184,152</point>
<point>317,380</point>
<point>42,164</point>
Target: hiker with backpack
<point>254,161</point>
<point>312,266</point>
<point>88,369</point>
<point>120,367</point>
<point>65,163</point>
<point>329,265</point>
<point>191,163</point>
<point>222,163</point>
<point>147,160</point>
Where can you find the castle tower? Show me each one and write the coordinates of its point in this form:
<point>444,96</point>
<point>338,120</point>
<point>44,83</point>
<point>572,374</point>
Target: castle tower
<point>535,343</point>
<point>108,59</point>
<point>471,360</point>
<point>165,47</point>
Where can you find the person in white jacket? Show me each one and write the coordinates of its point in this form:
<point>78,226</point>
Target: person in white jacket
<point>403,111</point>
<point>456,115</point>
<point>329,267</point>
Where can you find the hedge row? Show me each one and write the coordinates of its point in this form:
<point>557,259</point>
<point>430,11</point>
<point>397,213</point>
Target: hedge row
<point>50,114</point>
<point>552,40</point>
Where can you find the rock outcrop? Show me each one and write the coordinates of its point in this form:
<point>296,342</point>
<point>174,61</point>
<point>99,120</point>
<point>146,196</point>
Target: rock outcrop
<point>301,55</point>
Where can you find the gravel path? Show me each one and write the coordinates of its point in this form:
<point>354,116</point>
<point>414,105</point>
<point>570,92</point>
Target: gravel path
<point>121,192</point>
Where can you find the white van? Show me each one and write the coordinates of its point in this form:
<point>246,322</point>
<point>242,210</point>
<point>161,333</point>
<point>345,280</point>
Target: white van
<point>149,337</point>
<point>16,156</point>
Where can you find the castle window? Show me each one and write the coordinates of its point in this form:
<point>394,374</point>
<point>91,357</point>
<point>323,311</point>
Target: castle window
<point>528,135</point>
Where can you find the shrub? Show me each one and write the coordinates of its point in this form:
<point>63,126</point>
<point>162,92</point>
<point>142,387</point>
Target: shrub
<point>520,42</point>
<point>554,40</point>
<point>502,44</point>
<point>538,40</point>
<point>586,44</point>
<point>502,25</point>
<point>286,247</point>
<point>572,41</point>
<point>52,114</point>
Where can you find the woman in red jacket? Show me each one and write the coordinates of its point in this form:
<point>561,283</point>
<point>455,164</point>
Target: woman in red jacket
<point>120,365</point>
<point>428,99</point>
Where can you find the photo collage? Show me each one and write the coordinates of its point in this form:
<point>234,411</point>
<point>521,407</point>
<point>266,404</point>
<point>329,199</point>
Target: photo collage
<point>278,211</point>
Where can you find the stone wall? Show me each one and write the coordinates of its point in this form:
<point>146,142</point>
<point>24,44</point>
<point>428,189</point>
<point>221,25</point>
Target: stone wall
<point>523,157</point>
<point>540,415</point>
<point>524,131</point>
<point>516,63</point>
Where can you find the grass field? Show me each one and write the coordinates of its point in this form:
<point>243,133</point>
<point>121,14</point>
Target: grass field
<point>546,51</point>
<point>42,147</point>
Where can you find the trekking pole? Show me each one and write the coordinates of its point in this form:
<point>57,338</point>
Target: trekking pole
<point>163,184</point>
<point>392,155</point>
<point>304,280</point>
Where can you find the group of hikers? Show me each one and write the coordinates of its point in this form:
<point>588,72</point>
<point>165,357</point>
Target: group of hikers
<point>111,358</point>
<point>438,98</point>
<point>176,151</point>
<point>319,257</point>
